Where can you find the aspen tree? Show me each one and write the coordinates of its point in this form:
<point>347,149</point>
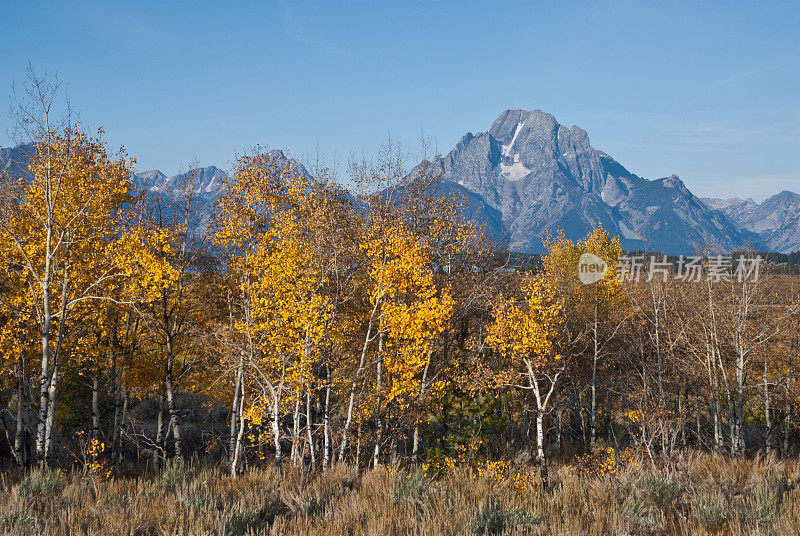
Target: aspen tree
<point>596,311</point>
<point>62,232</point>
<point>526,337</point>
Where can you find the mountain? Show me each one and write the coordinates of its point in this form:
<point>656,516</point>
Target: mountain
<point>149,180</point>
<point>529,175</point>
<point>14,160</point>
<point>776,220</point>
<point>542,176</point>
<point>203,181</point>
<point>478,210</point>
<point>732,207</point>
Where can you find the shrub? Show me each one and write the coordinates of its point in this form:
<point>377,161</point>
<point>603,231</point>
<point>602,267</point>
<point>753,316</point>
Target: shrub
<point>520,518</point>
<point>491,519</point>
<point>17,520</point>
<point>309,503</point>
<point>767,506</point>
<point>661,490</point>
<point>195,501</point>
<point>145,530</point>
<point>712,514</point>
<point>242,523</point>
<point>409,485</point>
<point>174,474</point>
<point>42,483</point>
<point>116,499</point>
<point>313,506</point>
<point>633,507</point>
<point>342,475</point>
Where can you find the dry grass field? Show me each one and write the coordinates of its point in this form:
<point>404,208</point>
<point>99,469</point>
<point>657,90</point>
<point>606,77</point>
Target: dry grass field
<point>693,495</point>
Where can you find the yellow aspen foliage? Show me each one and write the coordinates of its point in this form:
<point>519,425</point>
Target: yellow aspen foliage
<point>282,314</point>
<point>595,311</point>
<point>287,309</point>
<point>561,265</point>
<point>526,340</point>
<point>60,236</point>
<point>528,333</point>
<point>62,231</point>
<point>257,227</point>
<point>144,257</point>
<point>413,311</point>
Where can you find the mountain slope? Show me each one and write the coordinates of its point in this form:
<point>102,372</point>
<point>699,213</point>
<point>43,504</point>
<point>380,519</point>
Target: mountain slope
<point>528,175</point>
<point>204,181</point>
<point>776,219</point>
<point>543,176</point>
<point>14,161</point>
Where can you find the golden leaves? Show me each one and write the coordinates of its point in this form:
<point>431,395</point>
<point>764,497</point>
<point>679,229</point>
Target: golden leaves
<point>529,332</point>
<point>561,262</point>
<point>144,256</point>
<point>60,235</point>
<point>262,225</point>
<point>413,311</point>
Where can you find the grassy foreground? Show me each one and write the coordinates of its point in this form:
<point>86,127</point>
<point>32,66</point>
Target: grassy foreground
<point>696,494</point>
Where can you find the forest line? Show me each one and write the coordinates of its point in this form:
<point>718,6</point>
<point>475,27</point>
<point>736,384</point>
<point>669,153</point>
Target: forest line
<point>305,322</point>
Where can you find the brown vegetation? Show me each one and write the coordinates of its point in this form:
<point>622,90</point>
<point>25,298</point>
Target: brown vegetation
<point>694,495</point>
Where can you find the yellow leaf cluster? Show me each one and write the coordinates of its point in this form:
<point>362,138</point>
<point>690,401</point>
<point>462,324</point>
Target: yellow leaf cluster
<point>413,311</point>
<point>528,332</point>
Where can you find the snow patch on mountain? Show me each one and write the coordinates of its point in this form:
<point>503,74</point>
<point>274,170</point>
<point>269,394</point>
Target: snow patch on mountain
<point>507,148</point>
<point>627,232</point>
<point>512,172</point>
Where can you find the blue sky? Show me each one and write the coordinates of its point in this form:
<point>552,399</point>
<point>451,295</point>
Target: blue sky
<point>707,90</point>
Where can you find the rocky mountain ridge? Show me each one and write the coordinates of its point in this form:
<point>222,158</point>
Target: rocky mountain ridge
<point>776,219</point>
<point>543,176</point>
<point>528,176</point>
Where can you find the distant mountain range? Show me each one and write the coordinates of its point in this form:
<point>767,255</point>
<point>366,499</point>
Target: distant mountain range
<point>776,219</point>
<point>205,181</point>
<point>528,175</point>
